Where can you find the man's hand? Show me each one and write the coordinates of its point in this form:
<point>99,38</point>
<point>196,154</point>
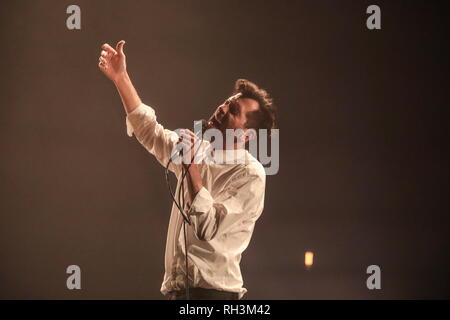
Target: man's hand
<point>113,65</point>
<point>112,62</point>
<point>191,143</point>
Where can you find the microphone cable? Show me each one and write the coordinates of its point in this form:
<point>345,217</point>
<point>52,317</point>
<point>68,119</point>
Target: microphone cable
<point>181,201</point>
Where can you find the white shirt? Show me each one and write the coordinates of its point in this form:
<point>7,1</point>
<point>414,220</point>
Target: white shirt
<point>223,213</point>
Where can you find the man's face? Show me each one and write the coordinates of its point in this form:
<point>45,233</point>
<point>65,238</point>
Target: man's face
<point>232,113</point>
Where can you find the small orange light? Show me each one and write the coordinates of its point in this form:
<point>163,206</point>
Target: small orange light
<point>309,259</point>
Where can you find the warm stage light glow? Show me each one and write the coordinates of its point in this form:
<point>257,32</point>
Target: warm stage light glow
<point>309,259</point>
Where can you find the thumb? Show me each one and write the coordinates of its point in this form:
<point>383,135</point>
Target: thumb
<point>119,46</point>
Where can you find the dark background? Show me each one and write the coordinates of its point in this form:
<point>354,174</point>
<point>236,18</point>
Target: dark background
<point>363,161</point>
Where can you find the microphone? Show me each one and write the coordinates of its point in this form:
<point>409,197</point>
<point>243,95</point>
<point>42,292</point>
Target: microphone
<point>205,125</point>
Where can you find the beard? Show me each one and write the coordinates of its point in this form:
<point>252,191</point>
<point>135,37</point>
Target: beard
<point>220,125</point>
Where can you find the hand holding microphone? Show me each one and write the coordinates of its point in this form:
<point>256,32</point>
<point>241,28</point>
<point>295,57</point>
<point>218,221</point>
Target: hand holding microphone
<point>189,144</point>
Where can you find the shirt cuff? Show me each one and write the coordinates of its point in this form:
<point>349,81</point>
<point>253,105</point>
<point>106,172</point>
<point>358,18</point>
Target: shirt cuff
<point>202,203</point>
<point>133,118</point>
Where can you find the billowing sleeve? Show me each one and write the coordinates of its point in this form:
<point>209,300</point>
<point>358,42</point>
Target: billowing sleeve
<point>240,199</point>
<point>152,135</point>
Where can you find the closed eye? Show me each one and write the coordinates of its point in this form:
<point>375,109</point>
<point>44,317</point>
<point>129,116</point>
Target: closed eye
<point>234,109</point>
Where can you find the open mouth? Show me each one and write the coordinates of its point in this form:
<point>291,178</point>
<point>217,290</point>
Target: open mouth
<point>217,120</point>
<point>213,120</point>
<point>214,123</point>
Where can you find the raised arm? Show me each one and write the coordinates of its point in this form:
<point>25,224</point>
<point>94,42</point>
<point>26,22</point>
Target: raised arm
<point>112,63</point>
<point>141,119</point>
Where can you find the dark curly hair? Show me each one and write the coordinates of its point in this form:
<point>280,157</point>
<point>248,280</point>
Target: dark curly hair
<point>266,116</point>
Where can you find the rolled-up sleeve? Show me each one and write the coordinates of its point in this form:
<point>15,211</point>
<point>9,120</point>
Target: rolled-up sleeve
<point>153,136</point>
<point>241,199</point>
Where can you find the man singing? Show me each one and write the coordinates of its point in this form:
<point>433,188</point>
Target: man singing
<point>224,198</point>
